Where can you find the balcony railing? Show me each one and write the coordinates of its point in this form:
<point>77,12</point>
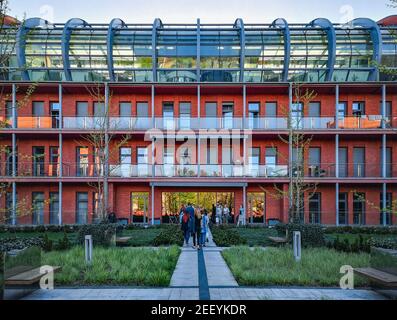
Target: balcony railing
<point>191,123</point>
<point>320,171</point>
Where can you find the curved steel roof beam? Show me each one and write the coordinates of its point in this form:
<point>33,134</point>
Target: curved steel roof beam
<point>376,37</point>
<point>20,45</point>
<point>283,24</point>
<point>114,24</point>
<point>67,32</point>
<point>239,23</point>
<point>327,25</point>
<point>156,25</point>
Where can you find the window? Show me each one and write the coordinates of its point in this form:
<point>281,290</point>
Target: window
<point>142,160</point>
<point>125,109</point>
<point>297,115</point>
<point>385,216</point>
<point>271,109</point>
<point>8,213</point>
<point>315,208</point>
<point>54,158</point>
<point>184,115</point>
<point>82,109</point>
<point>359,162</point>
<point>168,115</point>
<point>297,161</point>
<point>125,161</point>
<point>271,157</point>
<point>314,109</point>
<point>38,208</point>
<point>82,161</point>
<point>343,208</point>
<point>8,154</point>
<point>256,207</point>
<point>54,208</point>
<point>99,161</point>
<point>38,109</point>
<point>342,162</point>
<point>359,208</point>
<point>142,113</point>
<point>227,115</point>
<point>9,113</point>
<point>211,115</point>
<point>342,109</point>
<point>99,109</point>
<point>358,108</point>
<point>253,114</point>
<point>81,207</point>
<point>54,108</point>
<point>254,161</point>
<point>168,161</point>
<point>38,161</point>
<point>315,162</point>
<point>140,205</point>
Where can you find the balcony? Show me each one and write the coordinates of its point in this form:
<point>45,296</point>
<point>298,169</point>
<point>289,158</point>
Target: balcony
<point>85,170</point>
<point>190,123</point>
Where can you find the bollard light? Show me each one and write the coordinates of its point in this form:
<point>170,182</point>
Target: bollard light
<point>297,245</point>
<point>88,249</point>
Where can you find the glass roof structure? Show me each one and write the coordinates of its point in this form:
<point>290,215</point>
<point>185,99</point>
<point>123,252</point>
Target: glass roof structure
<point>318,51</point>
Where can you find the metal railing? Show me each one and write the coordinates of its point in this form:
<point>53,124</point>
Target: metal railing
<point>191,123</point>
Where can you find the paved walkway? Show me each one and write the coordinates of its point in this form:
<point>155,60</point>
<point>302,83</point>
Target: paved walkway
<point>204,275</point>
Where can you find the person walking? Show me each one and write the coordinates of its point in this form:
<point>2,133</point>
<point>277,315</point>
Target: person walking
<point>241,217</point>
<point>226,213</point>
<point>185,227</point>
<point>181,212</point>
<point>192,227</point>
<point>213,214</point>
<point>218,213</point>
<point>197,234</point>
<point>204,228</point>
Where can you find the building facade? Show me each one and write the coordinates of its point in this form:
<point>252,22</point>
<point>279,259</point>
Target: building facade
<point>154,116</point>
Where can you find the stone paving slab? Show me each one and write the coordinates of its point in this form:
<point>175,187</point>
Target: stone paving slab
<point>186,271</point>
<point>292,294</point>
<point>116,294</point>
<point>218,272</point>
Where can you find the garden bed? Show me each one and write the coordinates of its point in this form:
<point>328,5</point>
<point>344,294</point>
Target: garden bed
<point>115,266</point>
<point>276,266</point>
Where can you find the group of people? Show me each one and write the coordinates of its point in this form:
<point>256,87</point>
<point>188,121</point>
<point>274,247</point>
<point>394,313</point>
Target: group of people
<point>194,223</point>
<point>222,214</point>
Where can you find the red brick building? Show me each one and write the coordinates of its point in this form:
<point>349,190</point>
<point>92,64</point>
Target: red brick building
<point>202,118</point>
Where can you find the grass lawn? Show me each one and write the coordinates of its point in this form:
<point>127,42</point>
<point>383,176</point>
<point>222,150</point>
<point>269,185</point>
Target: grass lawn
<point>276,266</point>
<point>115,266</point>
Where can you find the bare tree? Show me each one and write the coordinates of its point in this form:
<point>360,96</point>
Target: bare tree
<point>105,145</point>
<point>299,143</point>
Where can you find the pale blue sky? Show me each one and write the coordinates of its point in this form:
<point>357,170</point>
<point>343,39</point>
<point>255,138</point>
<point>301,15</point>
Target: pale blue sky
<point>210,11</point>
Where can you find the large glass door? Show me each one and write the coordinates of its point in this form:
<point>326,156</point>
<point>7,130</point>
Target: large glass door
<point>140,204</point>
<point>256,207</point>
<point>168,161</point>
<point>142,160</point>
<point>125,162</point>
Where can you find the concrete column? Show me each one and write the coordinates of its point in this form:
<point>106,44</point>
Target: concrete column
<point>60,150</point>
<point>198,131</point>
<point>198,47</point>
<point>105,180</point>
<point>152,105</point>
<point>152,205</point>
<point>336,106</point>
<point>337,156</point>
<point>290,97</point>
<point>245,203</point>
<point>14,155</point>
<point>337,204</point>
<point>384,205</point>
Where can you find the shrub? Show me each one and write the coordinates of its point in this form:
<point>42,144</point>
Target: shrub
<point>385,243</point>
<point>392,230</point>
<point>64,243</point>
<point>226,236</point>
<point>47,243</point>
<point>19,244</point>
<point>40,229</point>
<point>102,234</point>
<point>358,245</point>
<point>169,235</point>
<point>312,234</point>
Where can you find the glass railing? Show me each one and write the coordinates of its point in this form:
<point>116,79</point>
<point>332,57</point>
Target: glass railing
<point>323,170</point>
<point>191,123</point>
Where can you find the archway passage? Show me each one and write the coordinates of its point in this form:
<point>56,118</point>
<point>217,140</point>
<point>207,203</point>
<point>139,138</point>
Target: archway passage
<point>172,203</point>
